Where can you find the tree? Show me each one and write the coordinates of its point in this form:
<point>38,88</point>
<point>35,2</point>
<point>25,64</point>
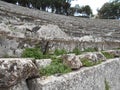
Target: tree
<point>110,10</point>
<point>66,6</point>
<point>60,6</point>
<point>84,9</point>
<point>10,1</point>
<point>87,10</point>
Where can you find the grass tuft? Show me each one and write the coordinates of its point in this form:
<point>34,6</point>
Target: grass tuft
<point>88,63</point>
<point>108,55</point>
<point>107,87</point>
<point>56,67</point>
<point>60,52</point>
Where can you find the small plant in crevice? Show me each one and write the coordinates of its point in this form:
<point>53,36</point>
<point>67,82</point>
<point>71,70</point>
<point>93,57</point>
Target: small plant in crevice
<point>90,50</point>
<point>108,55</point>
<point>56,67</point>
<point>76,51</point>
<point>107,87</point>
<point>32,53</point>
<point>60,52</point>
<point>87,63</point>
<point>117,48</point>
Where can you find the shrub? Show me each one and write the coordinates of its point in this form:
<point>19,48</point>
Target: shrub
<point>55,67</point>
<point>108,55</point>
<point>88,63</point>
<point>117,48</point>
<point>60,52</point>
<point>76,51</point>
<point>90,50</point>
<point>32,53</point>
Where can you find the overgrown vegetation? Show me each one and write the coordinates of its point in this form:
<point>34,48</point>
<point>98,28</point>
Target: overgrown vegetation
<point>57,6</point>
<point>87,63</point>
<point>56,67</point>
<point>60,52</point>
<point>110,10</point>
<point>108,55</point>
<point>117,48</point>
<point>107,87</point>
<point>32,53</point>
<point>76,51</point>
<point>38,54</point>
<point>90,50</point>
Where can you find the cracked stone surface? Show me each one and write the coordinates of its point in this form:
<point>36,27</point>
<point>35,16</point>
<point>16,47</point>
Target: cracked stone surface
<point>14,70</point>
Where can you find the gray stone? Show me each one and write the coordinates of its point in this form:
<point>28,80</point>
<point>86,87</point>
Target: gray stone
<point>90,78</point>
<point>4,29</point>
<point>18,52</point>
<point>51,31</point>
<point>20,86</point>
<point>42,63</point>
<point>72,61</point>
<point>14,70</point>
<point>93,56</point>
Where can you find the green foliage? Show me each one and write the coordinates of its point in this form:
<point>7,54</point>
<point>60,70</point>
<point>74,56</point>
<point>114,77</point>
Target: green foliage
<point>107,87</point>
<point>76,51</point>
<point>87,9</point>
<point>108,55</point>
<point>117,48</point>
<point>10,1</point>
<point>56,67</point>
<point>84,9</point>
<point>90,50</point>
<point>88,63</point>
<point>60,52</point>
<point>32,53</point>
<point>110,10</point>
<point>54,4</point>
<point>37,54</point>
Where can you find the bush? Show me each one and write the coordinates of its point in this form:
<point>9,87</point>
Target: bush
<point>90,50</point>
<point>60,52</point>
<point>55,67</point>
<point>108,55</point>
<point>32,53</point>
<point>76,51</point>
<point>88,63</point>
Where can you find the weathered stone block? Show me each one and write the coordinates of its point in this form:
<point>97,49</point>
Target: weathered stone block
<point>72,61</point>
<point>93,56</point>
<point>13,70</point>
<point>20,86</point>
<point>42,63</point>
<point>92,78</point>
